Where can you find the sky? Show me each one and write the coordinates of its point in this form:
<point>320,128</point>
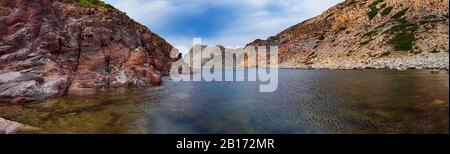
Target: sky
<point>231,23</point>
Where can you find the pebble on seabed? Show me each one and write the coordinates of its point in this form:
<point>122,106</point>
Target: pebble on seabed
<point>435,71</point>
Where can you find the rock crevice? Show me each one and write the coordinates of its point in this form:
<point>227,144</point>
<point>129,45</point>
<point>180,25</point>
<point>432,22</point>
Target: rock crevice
<point>50,48</point>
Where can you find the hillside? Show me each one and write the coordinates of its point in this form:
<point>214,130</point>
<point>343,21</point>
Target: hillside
<point>357,34</point>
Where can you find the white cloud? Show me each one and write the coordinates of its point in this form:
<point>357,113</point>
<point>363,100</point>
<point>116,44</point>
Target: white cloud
<point>262,23</point>
<point>256,19</point>
<point>151,12</point>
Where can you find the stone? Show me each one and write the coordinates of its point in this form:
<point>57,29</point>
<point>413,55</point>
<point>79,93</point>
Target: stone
<point>11,127</point>
<point>53,47</point>
<point>434,71</point>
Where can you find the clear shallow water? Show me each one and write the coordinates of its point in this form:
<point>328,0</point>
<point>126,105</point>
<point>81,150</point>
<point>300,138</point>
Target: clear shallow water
<point>307,101</point>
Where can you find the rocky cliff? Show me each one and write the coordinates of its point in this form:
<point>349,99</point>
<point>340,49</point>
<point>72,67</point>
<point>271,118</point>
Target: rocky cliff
<point>393,34</point>
<point>54,47</point>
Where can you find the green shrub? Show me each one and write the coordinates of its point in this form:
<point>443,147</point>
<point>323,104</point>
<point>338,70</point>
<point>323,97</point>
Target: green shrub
<point>403,41</point>
<point>400,14</point>
<point>93,2</point>
<point>403,26</point>
<point>386,11</point>
<point>375,3</point>
<point>321,36</point>
<point>373,9</point>
<point>403,33</point>
<point>372,13</point>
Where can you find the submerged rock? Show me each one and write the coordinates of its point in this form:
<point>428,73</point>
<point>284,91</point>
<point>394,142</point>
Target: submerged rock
<point>11,127</point>
<point>49,48</point>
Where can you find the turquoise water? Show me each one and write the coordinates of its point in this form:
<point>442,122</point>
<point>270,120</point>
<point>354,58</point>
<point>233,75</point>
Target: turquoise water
<point>307,101</point>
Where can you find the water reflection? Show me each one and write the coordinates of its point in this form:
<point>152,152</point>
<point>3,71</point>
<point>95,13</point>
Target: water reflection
<point>314,101</point>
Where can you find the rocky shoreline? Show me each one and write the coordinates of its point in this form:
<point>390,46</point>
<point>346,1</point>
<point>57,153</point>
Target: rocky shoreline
<point>12,127</point>
<point>438,61</point>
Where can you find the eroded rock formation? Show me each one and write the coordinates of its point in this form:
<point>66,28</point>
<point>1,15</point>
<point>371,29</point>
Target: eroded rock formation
<point>54,47</point>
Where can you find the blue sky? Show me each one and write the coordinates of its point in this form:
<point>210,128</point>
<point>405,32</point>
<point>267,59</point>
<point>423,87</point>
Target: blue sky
<point>230,23</point>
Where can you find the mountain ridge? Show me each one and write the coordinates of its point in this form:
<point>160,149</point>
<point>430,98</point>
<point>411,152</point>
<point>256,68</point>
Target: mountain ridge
<point>358,34</point>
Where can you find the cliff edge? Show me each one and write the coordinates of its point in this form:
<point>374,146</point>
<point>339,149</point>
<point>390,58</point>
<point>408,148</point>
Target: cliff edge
<point>54,47</point>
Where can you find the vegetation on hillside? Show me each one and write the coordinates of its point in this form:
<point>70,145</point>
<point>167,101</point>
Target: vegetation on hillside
<point>92,3</point>
<point>373,9</point>
<point>386,11</point>
<point>403,41</point>
<point>400,14</point>
<point>404,35</point>
<point>403,32</point>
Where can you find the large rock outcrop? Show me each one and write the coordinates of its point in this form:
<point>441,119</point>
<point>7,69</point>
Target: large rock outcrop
<point>394,34</point>
<point>53,47</point>
<point>11,127</point>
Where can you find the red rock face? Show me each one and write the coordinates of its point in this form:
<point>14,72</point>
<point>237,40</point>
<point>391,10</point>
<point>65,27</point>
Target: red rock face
<point>50,48</point>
